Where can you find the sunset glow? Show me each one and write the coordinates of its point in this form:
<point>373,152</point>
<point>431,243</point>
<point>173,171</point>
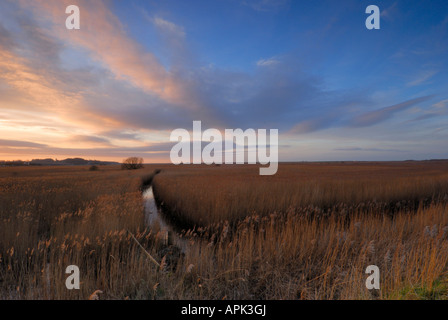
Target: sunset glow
<point>137,70</point>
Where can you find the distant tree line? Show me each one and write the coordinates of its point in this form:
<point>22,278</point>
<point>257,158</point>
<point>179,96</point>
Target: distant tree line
<point>14,163</point>
<point>52,162</point>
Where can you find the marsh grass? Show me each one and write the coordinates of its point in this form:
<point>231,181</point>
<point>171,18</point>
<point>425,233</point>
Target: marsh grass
<point>203,196</point>
<point>307,233</point>
<point>54,217</point>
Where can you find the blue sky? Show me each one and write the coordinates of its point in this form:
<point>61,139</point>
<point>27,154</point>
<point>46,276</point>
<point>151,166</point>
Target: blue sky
<point>138,69</point>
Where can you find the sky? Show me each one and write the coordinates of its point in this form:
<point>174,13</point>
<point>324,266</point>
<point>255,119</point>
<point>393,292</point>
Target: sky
<point>137,70</point>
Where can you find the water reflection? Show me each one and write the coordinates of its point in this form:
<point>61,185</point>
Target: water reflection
<point>155,220</point>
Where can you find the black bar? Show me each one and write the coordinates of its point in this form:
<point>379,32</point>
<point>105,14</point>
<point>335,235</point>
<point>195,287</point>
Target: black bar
<point>167,310</point>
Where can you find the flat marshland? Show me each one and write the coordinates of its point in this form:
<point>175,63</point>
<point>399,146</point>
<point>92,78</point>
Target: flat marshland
<point>308,232</point>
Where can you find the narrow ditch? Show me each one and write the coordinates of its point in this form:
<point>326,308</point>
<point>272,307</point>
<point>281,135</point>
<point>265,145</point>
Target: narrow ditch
<point>155,220</point>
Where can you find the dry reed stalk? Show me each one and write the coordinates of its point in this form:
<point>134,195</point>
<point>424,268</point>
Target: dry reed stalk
<point>144,250</point>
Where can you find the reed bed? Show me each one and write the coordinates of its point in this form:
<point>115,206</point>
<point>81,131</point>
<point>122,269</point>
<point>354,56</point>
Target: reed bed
<point>291,257</point>
<point>203,196</point>
<point>307,233</point>
<point>51,218</point>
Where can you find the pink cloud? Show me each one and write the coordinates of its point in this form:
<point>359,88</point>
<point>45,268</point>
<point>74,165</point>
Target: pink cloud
<point>104,36</point>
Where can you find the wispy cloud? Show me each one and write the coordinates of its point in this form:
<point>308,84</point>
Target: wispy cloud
<point>267,62</point>
<point>421,78</point>
<point>438,109</point>
<point>19,148</point>
<point>168,26</point>
<point>357,149</point>
<point>308,126</point>
<point>383,114</point>
<point>389,12</point>
<point>91,139</point>
<point>443,104</point>
<point>20,144</point>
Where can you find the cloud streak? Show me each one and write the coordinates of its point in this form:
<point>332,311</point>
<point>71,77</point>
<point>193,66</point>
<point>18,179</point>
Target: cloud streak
<point>383,114</point>
<point>422,78</point>
<point>356,149</point>
<point>21,144</point>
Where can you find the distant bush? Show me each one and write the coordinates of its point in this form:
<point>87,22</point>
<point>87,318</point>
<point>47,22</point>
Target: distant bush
<point>132,163</point>
<point>94,168</point>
